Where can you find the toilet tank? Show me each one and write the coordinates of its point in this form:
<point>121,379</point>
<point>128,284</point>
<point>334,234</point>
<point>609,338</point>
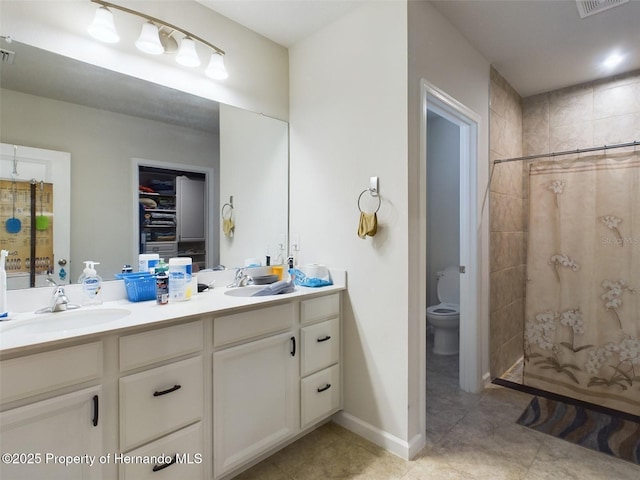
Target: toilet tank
<point>448,285</point>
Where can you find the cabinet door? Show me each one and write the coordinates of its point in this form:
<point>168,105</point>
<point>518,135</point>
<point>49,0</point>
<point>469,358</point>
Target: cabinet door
<point>256,399</point>
<point>191,209</point>
<point>46,431</point>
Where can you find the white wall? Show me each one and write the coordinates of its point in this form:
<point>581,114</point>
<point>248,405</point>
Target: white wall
<point>258,67</point>
<point>349,122</point>
<point>355,112</point>
<point>443,200</point>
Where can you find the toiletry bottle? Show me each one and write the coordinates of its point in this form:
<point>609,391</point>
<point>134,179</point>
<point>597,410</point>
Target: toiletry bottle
<point>91,284</point>
<point>162,283</point>
<point>4,310</point>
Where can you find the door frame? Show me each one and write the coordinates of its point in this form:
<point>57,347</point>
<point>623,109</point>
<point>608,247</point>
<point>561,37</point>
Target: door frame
<point>211,242</point>
<point>434,99</point>
<point>52,166</point>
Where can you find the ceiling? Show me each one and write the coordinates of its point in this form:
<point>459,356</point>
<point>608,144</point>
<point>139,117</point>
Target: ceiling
<point>537,45</point>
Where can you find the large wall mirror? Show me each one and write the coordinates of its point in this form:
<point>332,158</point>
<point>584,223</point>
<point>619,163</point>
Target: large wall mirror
<point>108,121</point>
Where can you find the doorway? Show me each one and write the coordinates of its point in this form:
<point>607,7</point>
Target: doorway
<point>173,212</point>
<point>439,105</point>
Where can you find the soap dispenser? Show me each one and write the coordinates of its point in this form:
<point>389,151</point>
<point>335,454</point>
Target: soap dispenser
<point>91,284</point>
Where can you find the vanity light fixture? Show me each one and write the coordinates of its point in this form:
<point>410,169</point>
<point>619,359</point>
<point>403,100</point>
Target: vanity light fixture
<point>102,27</point>
<point>158,37</point>
<point>149,40</point>
<point>215,70</point>
<point>187,54</point>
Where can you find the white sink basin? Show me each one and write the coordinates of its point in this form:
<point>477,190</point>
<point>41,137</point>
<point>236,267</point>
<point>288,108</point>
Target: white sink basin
<point>70,320</point>
<point>244,291</point>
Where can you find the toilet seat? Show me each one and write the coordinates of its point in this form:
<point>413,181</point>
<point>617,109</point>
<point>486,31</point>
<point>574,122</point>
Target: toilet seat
<point>443,310</point>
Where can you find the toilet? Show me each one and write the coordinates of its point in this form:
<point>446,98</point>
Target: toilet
<point>444,318</point>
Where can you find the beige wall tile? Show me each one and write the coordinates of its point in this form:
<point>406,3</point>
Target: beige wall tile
<point>571,137</point>
<point>619,129</point>
<point>570,109</point>
<point>506,213</point>
<point>618,100</point>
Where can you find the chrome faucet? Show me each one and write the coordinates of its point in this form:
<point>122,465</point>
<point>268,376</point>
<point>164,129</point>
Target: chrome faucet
<point>59,300</point>
<point>241,279</point>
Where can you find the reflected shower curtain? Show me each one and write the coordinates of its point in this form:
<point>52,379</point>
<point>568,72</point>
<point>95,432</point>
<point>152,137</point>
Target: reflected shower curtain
<point>582,318</point>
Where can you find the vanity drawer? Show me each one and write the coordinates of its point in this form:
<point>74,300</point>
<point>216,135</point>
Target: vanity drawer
<point>320,345</point>
<point>246,325</point>
<point>161,344</point>
<point>320,395</point>
<point>319,308</point>
<point>158,401</point>
<point>43,372</point>
<point>182,450</point>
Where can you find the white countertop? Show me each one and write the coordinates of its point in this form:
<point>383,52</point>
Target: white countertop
<point>21,331</point>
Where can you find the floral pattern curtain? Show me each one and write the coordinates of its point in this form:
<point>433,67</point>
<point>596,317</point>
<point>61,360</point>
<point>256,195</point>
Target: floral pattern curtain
<point>582,309</point>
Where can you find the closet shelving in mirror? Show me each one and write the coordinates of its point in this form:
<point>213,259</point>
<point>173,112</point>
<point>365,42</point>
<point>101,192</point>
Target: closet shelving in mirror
<point>172,222</point>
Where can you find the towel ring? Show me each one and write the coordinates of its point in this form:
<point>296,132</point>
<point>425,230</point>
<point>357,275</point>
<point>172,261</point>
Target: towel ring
<point>230,211</point>
<point>365,191</point>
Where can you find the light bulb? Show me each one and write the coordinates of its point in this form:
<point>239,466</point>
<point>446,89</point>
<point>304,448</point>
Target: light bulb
<point>216,69</point>
<point>149,40</point>
<point>187,55</point>
<point>102,27</point>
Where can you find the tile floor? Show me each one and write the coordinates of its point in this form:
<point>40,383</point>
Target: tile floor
<point>469,436</point>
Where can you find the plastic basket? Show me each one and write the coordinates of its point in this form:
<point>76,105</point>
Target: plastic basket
<point>140,286</point>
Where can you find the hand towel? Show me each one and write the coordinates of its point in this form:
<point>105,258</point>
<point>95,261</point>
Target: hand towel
<point>368,224</point>
<point>228,226</point>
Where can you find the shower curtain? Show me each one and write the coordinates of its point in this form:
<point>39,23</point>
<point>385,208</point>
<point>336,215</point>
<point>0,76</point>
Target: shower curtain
<point>582,314</point>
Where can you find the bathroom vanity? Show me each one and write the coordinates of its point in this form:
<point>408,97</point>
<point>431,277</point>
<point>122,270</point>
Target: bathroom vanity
<point>192,390</point>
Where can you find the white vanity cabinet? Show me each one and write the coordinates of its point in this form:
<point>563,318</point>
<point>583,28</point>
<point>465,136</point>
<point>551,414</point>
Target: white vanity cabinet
<point>255,384</point>
<point>38,434</point>
<point>320,385</point>
<point>161,408</point>
<point>200,397</point>
<point>276,373</point>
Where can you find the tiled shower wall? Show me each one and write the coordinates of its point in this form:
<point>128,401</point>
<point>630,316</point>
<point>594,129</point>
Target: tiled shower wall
<point>507,226</point>
<point>603,112</point>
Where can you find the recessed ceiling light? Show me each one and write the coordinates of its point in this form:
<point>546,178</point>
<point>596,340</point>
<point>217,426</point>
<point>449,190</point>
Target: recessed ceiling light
<point>612,61</point>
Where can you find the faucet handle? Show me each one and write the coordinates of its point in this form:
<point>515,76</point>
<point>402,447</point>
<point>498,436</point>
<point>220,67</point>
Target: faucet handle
<point>50,279</point>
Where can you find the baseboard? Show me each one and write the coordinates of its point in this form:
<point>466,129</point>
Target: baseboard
<point>486,380</point>
<point>391,443</point>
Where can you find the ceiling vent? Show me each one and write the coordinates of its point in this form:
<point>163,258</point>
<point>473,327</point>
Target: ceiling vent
<point>7,56</point>
<point>587,8</point>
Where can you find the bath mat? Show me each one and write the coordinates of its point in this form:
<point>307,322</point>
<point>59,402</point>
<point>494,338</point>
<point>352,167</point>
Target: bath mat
<point>603,432</point>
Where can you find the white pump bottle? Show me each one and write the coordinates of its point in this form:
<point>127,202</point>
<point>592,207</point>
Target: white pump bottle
<point>91,284</point>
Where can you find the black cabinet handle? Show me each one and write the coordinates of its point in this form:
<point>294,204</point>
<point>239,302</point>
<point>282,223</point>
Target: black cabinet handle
<point>324,339</point>
<point>324,388</point>
<point>169,390</point>
<point>293,347</point>
<point>157,468</point>
<point>95,410</point>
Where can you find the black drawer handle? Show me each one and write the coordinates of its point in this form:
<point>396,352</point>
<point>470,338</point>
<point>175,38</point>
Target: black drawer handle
<point>169,390</point>
<point>293,346</point>
<point>157,468</point>
<point>324,388</point>
<point>324,339</point>
<point>95,410</point>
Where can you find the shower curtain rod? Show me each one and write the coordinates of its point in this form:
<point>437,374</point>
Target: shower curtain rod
<point>569,152</point>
